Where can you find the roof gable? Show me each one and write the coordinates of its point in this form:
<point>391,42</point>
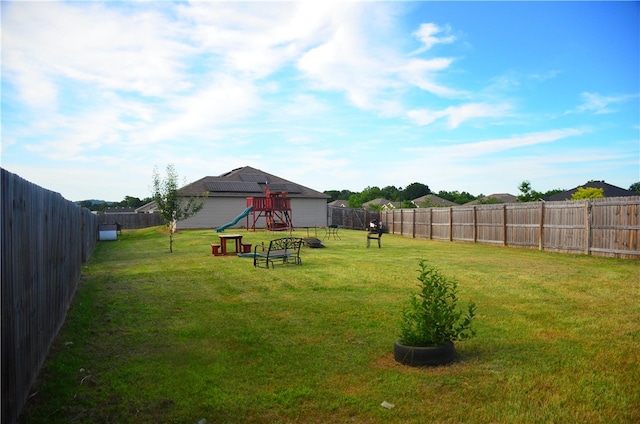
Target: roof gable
<point>496,197</point>
<point>247,182</point>
<point>377,202</point>
<point>608,191</point>
<point>431,200</point>
<point>340,203</point>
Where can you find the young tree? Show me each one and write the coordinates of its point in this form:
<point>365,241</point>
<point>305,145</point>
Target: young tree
<point>588,193</point>
<point>528,194</point>
<point>173,207</point>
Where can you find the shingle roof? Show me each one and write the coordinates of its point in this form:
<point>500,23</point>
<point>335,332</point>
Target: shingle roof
<point>433,200</point>
<point>500,197</point>
<point>378,202</point>
<point>247,182</point>
<point>383,203</point>
<point>120,209</point>
<point>148,208</point>
<point>608,191</point>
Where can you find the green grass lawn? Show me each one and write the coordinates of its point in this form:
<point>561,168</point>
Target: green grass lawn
<point>155,337</point>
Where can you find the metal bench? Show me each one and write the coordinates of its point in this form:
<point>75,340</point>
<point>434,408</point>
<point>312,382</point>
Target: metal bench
<point>374,232</point>
<point>285,250</point>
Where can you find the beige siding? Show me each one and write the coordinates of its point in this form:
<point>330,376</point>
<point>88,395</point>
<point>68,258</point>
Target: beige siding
<point>309,212</point>
<point>218,211</point>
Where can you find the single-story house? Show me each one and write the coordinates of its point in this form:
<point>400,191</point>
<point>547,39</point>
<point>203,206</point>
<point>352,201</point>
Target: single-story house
<point>432,201</point>
<point>227,194</point>
<point>382,203</point>
<point>608,191</point>
<point>495,198</point>
<point>120,209</point>
<point>339,203</point>
<point>150,207</point>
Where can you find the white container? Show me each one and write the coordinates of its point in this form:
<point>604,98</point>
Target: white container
<point>108,232</point>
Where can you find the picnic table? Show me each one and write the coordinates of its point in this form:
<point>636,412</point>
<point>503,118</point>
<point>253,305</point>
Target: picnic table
<point>223,242</point>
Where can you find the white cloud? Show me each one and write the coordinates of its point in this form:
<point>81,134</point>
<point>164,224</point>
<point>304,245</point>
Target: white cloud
<point>257,43</point>
<point>345,63</point>
<point>453,152</point>
<point>501,144</point>
<point>372,79</point>
<point>427,34</point>
<point>420,73</point>
<point>480,166</point>
<point>545,75</point>
<point>36,90</point>
<point>211,86</point>
<point>424,116</point>
<point>76,138</point>
<point>91,44</point>
<point>107,54</point>
<point>598,104</point>
<point>456,115</point>
<point>220,103</point>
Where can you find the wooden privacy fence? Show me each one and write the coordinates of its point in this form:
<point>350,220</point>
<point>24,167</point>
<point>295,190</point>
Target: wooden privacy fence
<point>132,220</point>
<point>354,219</point>
<point>605,227</point>
<point>45,240</point>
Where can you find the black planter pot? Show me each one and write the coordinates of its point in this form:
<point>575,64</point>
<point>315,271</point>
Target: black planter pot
<point>419,356</point>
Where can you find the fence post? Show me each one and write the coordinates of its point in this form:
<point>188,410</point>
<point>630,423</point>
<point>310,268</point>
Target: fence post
<point>504,224</point>
<point>541,229</point>
<point>430,223</point>
<point>394,223</point>
<point>587,226</point>
<point>450,224</point>
<point>413,224</point>
<point>475,224</point>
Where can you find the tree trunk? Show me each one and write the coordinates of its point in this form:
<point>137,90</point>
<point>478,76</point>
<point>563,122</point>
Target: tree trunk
<point>172,229</point>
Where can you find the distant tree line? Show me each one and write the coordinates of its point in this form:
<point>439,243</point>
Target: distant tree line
<point>397,194</point>
<point>416,190</point>
<point>102,205</point>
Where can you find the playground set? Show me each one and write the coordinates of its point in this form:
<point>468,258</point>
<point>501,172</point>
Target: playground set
<point>275,208</point>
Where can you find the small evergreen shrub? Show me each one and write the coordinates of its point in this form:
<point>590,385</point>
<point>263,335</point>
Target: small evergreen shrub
<point>433,317</point>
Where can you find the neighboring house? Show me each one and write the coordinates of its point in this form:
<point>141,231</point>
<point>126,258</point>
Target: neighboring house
<point>227,195</point>
<point>432,201</point>
<point>339,203</point>
<point>150,207</point>
<point>382,203</point>
<point>119,209</point>
<point>608,191</point>
<point>494,198</point>
<point>392,205</point>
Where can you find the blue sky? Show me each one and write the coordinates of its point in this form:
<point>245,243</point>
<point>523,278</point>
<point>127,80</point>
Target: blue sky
<point>467,96</point>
